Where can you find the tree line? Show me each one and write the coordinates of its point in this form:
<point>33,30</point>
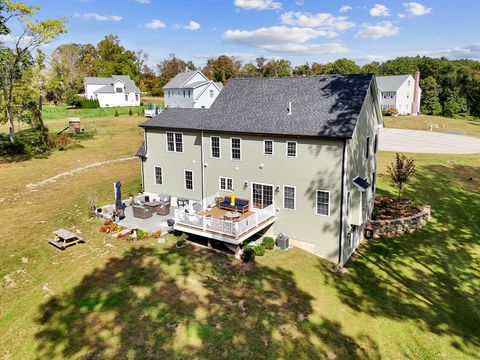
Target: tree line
<point>449,87</point>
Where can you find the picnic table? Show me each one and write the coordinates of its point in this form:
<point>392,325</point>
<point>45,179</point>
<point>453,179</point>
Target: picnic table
<point>64,238</point>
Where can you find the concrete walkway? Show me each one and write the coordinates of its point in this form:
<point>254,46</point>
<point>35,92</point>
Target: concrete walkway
<point>415,141</point>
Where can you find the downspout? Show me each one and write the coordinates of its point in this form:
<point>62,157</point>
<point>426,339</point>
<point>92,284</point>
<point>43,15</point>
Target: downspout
<point>202,165</point>
<point>144,158</point>
<point>342,197</point>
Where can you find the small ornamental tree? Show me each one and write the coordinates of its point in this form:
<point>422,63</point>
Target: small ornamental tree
<point>401,171</point>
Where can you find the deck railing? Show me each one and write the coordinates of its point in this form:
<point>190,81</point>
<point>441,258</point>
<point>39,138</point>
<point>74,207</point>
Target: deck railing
<point>223,227</point>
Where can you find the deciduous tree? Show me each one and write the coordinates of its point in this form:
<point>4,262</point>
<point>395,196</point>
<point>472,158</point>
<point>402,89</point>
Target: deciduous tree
<point>401,171</point>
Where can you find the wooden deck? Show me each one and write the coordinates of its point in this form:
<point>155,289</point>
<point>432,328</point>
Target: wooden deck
<point>218,213</point>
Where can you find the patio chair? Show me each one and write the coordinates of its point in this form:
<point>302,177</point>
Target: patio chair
<point>164,209</point>
<point>141,212</point>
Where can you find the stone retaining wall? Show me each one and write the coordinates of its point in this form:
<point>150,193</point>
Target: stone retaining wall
<point>376,229</point>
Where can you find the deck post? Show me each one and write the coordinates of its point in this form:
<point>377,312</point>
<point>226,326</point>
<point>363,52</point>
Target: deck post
<point>209,243</point>
<point>204,223</point>
<point>256,219</point>
<point>237,251</point>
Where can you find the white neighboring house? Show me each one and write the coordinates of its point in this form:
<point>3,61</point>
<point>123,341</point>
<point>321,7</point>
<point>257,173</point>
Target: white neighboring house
<point>191,89</point>
<point>401,92</point>
<point>118,90</point>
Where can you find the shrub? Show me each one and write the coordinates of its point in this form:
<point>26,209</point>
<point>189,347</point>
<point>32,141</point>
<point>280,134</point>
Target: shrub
<point>156,92</point>
<point>182,240</point>
<point>248,253</point>
<point>390,112</point>
<point>130,112</point>
<point>141,103</point>
<point>62,141</point>
<point>268,243</point>
<point>89,104</point>
<point>116,113</point>
<point>259,250</point>
<point>72,99</point>
<point>27,143</point>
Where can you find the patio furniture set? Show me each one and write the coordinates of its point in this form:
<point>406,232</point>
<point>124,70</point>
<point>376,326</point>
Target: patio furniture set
<point>145,208</point>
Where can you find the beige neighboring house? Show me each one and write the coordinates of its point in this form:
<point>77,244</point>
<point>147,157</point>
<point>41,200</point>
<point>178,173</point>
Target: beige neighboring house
<point>191,89</point>
<point>302,152</point>
<point>118,90</point>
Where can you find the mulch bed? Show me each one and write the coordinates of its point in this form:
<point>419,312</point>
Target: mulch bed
<point>388,208</point>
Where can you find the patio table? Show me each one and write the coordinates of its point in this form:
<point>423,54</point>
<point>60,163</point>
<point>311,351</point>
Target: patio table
<point>231,215</point>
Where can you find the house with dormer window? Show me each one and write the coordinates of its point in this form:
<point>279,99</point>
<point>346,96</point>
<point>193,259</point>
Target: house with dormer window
<point>118,90</point>
<point>299,153</point>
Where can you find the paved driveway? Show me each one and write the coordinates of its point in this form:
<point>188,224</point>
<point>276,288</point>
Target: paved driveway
<point>401,140</point>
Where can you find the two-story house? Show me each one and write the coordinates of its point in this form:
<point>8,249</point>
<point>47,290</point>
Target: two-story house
<point>191,89</point>
<point>400,92</point>
<point>118,90</point>
<point>300,150</point>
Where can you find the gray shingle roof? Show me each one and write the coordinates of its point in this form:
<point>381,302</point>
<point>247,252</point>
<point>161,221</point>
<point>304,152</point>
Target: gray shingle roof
<point>179,79</point>
<point>391,83</point>
<point>141,150</point>
<point>196,84</point>
<point>326,106</point>
<point>97,80</point>
<point>108,82</point>
<point>177,118</point>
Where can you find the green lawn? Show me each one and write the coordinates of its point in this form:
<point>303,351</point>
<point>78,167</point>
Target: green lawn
<point>456,126</point>
<point>64,111</point>
<point>411,297</point>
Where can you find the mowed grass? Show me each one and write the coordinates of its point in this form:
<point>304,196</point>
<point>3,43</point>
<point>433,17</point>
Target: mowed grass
<point>64,111</point>
<point>455,126</point>
<point>411,297</point>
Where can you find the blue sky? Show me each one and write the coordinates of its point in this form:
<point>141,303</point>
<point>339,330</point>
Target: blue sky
<point>299,30</point>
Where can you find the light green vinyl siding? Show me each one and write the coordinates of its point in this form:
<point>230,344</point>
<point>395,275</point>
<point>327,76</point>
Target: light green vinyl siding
<point>317,166</point>
<point>358,165</point>
<point>173,164</point>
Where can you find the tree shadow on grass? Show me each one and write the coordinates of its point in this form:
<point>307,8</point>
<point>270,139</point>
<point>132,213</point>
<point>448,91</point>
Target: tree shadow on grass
<point>189,303</point>
<point>431,276</point>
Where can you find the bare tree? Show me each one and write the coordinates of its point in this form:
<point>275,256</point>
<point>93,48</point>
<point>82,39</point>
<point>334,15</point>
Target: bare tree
<point>401,171</point>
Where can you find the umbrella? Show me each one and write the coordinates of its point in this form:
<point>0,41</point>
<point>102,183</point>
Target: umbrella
<point>232,201</point>
<point>149,106</point>
<point>118,199</point>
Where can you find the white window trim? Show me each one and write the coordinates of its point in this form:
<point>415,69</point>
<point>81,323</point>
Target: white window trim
<point>329,202</point>
<point>273,147</point>
<point>220,182</point>
<point>231,148</point>
<point>155,174</point>
<point>219,147</point>
<point>294,198</point>
<point>174,142</point>
<point>286,148</point>
<point>185,180</point>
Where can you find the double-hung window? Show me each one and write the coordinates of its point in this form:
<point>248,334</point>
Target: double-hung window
<point>226,183</point>
<point>174,142</point>
<point>291,148</point>
<point>215,147</point>
<point>268,147</point>
<point>323,203</point>
<point>188,179</point>
<point>236,149</point>
<point>367,150</point>
<point>289,197</point>
<point>158,175</point>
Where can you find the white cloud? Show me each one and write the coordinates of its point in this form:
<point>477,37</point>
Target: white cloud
<point>379,10</point>
<point>300,2</point>
<point>192,25</point>
<point>320,20</point>
<point>97,17</point>
<point>274,35</point>
<point>401,16</point>
<point>6,38</point>
<point>142,1</point>
<point>368,58</point>
<point>155,24</point>
<point>345,8</point>
<point>283,39</point>
<point>416,9</point>
<point>471,51</point>
<point>377,31</point>
<point>240,56</point>
<point>258,4</point>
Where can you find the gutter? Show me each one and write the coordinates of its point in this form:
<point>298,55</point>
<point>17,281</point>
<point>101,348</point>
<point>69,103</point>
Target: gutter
<point>342,197</point>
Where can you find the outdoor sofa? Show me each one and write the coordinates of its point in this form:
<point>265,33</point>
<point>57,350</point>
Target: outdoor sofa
<point>241,205</point>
